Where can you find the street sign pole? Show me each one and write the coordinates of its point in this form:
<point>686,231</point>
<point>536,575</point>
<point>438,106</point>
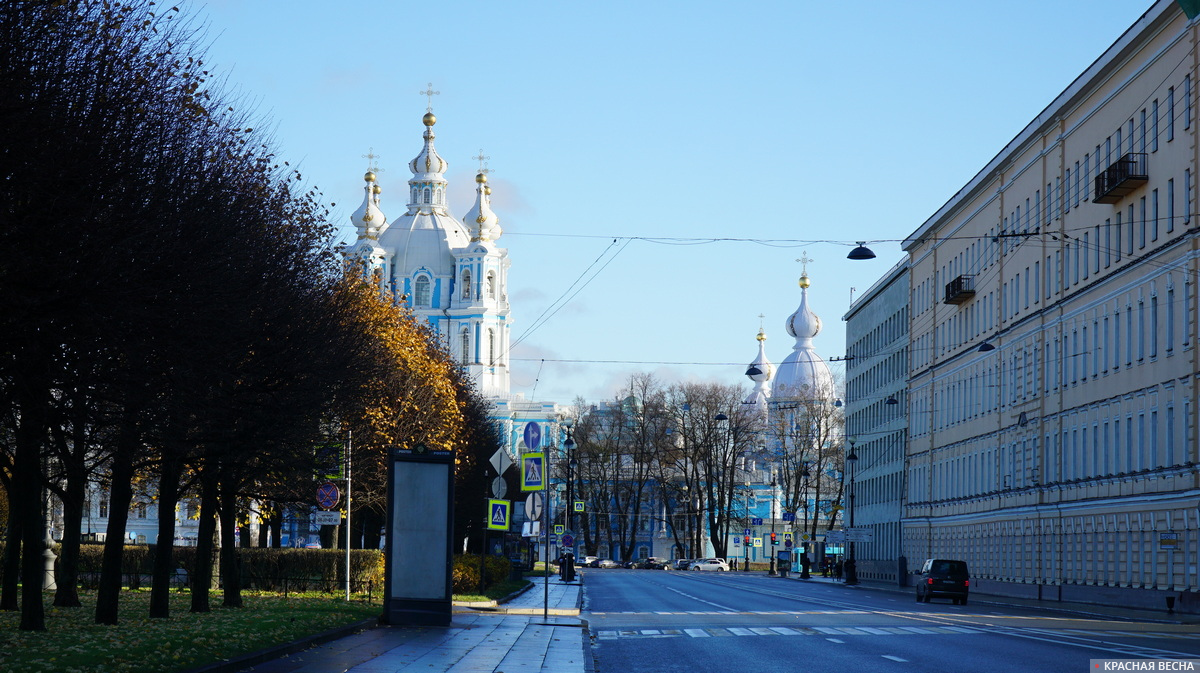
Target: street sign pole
<point>546,528</point>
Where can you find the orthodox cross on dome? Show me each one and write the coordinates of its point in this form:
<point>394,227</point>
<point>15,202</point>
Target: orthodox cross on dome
<point>761,317</point>
<point>804,260</point>
<point>430,93</point>
<point>370,156</point>
<point>483,166</point>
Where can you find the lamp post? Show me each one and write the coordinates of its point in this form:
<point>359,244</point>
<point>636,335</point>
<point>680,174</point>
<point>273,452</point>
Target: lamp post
<point>851,570</point>
<point>804,561</point>
<point>568,446</point>
<point>771,513</point>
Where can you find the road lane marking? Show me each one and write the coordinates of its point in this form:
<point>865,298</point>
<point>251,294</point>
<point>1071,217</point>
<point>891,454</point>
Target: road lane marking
<point>835,640</point>
<point>894,658</point>
<point>696,633</point>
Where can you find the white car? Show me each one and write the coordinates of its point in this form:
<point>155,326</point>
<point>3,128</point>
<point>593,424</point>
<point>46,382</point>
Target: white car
<point>710,564</point>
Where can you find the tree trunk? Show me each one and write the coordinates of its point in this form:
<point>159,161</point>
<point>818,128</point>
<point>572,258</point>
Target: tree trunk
<point>231,580</point>
<point>67,574</point>
<point>202,577</point>
<point>12,562</point>
<point>26,500</point>
<point>120,495</point>
<point>168,500</point>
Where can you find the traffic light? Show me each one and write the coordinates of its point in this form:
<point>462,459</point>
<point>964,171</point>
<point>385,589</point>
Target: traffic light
<point>747,540</point>
<point>773,540</point>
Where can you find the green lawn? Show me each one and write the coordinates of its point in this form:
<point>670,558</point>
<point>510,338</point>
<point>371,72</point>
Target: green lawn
<point>74,643</point>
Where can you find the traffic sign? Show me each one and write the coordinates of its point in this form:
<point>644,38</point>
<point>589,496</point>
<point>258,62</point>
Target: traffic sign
<point>568,540</point>
<point>533,506</point>
<point>499,487</point>
<point>579,505</point>
<point>533,471</point>
<point>327,495</point>
<point>789,516</point>
<point>758,542</point>
<point>327,518</point>
<point>737,541</point>
<point>559,528</point>
<point>498,514</point>
<point>500,461</point>
<point>756,521</point>
<point>533,436</point>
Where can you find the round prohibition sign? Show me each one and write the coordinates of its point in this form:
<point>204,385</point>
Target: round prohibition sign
<point>327,495</point>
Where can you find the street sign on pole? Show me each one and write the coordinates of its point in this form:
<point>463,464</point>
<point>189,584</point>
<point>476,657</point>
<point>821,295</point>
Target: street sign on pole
<point>327,518</point>
<point>499,487</point>
<point>533,436</point>
<point>500,461</point>
<point>533,507</point>
<point>498,514</point>
<point>533,471</point>
<point>327,495</point>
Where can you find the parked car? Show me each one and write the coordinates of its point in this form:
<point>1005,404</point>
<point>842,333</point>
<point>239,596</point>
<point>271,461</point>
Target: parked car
<point>943,577</point>
<point>590,561</point>
<point>682,563</point>
<point>608,563</point>
<point>710,564</point>
<point>652,563</point>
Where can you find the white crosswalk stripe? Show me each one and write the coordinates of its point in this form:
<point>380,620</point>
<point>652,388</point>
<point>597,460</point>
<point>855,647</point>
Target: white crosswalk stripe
<point>865,631</point>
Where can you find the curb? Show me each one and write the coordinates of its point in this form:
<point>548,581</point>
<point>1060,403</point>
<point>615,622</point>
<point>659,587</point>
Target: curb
<point>271,653</point>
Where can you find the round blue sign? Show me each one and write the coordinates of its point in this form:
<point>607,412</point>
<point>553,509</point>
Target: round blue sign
<point>533,436</point>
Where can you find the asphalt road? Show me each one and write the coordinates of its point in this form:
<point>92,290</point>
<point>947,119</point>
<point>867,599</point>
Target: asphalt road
<point>661,621</point>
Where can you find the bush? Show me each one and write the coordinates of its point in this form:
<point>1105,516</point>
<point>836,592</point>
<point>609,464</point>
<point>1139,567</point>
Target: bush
<point>465,573</point>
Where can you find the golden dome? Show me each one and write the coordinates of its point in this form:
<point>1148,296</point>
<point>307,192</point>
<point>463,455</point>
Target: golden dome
<point>762,336</point>
<point>369,177</point>
<point>376,189</point>
<point>805,282</point>
<point>429,119</point>
<point>481,178</point>
<point>487,190</point>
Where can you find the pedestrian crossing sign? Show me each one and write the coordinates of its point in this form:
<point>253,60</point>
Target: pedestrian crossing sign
<point>532,471</point>
<point>559,528</point>
<point>758,542</point>
<point>498,514</point>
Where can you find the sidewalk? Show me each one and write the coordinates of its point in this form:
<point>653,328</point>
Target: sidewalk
<point>510,637</point>
<point>1084,609</point>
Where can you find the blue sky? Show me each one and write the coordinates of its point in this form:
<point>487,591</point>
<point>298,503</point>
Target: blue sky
<point>737,135</point>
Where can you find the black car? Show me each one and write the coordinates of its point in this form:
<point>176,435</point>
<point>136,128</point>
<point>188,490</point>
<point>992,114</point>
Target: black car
<point>943,577</point>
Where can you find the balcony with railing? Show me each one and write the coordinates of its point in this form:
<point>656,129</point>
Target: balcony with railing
<point>960,290</point>
<point>1122,177</point>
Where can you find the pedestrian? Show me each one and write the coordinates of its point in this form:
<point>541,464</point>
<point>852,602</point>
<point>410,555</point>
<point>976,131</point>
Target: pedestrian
<point>837,570</point>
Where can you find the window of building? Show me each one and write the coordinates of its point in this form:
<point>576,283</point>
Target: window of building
<point>1142,132</point>
<point>464,339</point>
<point>1142,221</point>
<point>1117,250</point>
<point>1187,101</point>
<point>1170,205</point>
<point>1170,319</point>
<point>1154,131</point>
<point>466,284</point>
<point>491,285</point>
<point>1154,215</point>
<point>1187,195</point>
<point>1067,187</point>
<point>140,508</point>
<point>103,508</point>
<point>421,291</point>
<point>426,196</point>
<point>1153,325</point>
<point>491,347</point>
<point>1170,114</point>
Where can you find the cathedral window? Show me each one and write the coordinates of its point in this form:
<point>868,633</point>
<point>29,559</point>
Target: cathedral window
<point>414,194</point>
<point>426,195</point>
<point>491,285</point>
<point>466,284</point>
<point>491,347</point>
<point>465,338</point>
<point>437,196</point>
<point>421,291</point>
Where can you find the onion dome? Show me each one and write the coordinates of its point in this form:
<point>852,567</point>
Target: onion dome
<point>760,372</point>
<point>480,220</point>
<point>803,374</point>
<point>428,165</point>
<point>424,236</point>
<point>369,220</point>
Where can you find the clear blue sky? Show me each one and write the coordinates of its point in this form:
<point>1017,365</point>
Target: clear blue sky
<point>800,126</point>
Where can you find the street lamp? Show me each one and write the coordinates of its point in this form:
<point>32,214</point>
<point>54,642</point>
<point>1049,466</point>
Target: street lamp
<point>771,512</point>
<point>804,474</point>
<point>568,446</point>
<point>851,461</point>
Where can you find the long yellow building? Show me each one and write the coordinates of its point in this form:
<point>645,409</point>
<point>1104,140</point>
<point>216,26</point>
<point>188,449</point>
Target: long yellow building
<point>1053,371</point>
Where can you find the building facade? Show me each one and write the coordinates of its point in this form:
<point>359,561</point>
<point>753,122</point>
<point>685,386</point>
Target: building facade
<point>876,383</point>
<point>1053,371</point>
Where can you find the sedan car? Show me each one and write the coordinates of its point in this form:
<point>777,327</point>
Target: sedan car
<point>681,563</point>
<point>608,563</point>
<point>590,561</point>
<point>710,564</point>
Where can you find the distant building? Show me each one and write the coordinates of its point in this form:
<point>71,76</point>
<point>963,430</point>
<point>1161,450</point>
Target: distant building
<point>1053,374</point>
<point>876,382</point>
<point>452,273</point>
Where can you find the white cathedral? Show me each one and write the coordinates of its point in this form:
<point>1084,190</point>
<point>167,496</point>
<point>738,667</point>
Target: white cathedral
<point>453,274</point>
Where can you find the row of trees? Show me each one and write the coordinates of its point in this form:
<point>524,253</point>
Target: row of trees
<point>177,319</point>
<point>681,459</point>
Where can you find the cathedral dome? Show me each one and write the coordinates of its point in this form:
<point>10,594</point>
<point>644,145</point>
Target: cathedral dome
<point>803,374</point>
<point>480,221</point>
